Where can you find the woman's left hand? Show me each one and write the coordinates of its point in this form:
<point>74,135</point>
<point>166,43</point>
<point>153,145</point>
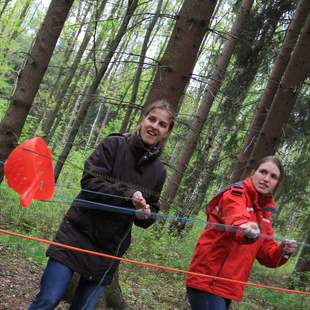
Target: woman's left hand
<point>143,213</point>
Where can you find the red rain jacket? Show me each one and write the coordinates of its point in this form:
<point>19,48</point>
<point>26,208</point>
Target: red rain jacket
<point>230,254</point>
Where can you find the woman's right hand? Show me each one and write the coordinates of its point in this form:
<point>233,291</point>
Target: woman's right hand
<point>138,200</point>
<point>143,209</point>
<point>251,230</point>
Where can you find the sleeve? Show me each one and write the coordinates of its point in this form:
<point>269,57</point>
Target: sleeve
<point>153,202</point>
<point>270,254</point>
<point>233,212</point>
<point>97,174</point>
<point>233,208</point>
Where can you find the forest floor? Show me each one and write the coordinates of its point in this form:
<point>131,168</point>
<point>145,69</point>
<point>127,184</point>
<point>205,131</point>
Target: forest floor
<point>19,277</point>
<point>19,280</point>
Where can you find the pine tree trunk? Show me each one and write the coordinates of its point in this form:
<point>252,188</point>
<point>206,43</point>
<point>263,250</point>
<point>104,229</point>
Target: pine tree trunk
<point>139,69</point>
<point>207,101</point>
<point>278,69</point>
<point>103,124</point>
<point>296,72</point>
<point>73,68</point>
<point>69,50</point>
<point>30,77</point>
<point>178,61</point>
<point>132,4</point>
<point>111,299</point>
<point>203,178</point>
<point>5,4</point>
<point>79,78</point>
<point>303,263</point>
<point>20,20</point>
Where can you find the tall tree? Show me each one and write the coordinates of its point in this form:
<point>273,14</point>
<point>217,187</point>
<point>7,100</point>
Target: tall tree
<point>136,82</point>
<point>87,102</point>
<point>203,111</point>
<point>296,72</point>
<point>20,19</point>
<point>73,68</point>
<point>72,94</point>
<point>4,6</point>
<point>278,69</point>
<point>31,75</point>
<point>70,45</point>
<point>303,263</point>
<point>178,61</point>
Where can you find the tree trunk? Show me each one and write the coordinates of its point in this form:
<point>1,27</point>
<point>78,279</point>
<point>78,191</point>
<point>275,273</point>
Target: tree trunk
<point>296,72</point>
<point>139,69</point>
<point>77,59</point>
<point>303,263</point>
<point>30,77</point>
<point>278,69</point>
<point>203,178</point>
<point>301,275</point>
<point>20,20</point>
<point>69,50</point>
<point>72,94</point>
<point>111,299</point>
<point>5,4</point>
<point>103,124</point>
<point>207,101</point>
<point>95,122</point>
<point>132,4</point>
<point>177,63</point>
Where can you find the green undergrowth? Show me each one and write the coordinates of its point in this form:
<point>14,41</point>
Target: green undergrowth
<point>143,287</point>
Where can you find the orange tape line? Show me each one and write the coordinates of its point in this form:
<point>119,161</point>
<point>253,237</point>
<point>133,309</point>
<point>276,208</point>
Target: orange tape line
<point>7,232</point>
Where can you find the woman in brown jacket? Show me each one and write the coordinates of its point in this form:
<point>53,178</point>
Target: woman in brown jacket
<point>124,171</point>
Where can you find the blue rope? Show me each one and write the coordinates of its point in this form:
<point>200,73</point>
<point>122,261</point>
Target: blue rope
<point>106,194</point>
<point>128,211</point>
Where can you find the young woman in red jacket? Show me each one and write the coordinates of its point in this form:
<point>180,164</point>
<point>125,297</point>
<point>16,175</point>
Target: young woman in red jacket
<point>230,252</point>
<point>124,171</point>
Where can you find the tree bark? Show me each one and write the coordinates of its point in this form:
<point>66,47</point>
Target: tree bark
<point>5,4</point>
<point>69,49</point>
<point>20,20</point>
<point>30,77</point>
<point>132,4</point>
<point>303,263</point>
<point>77,59</point>
<point>207,101</point>
<point>296,72</point>
<point>177,63</point>
<point>139,69</point>
<point>111,299</point>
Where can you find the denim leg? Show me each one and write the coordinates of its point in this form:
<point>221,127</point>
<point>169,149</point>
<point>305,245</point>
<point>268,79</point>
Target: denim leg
<point>86,295</point>
<point>201,300</point>
<point>54,282</point>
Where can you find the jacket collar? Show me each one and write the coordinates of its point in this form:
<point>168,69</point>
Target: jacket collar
<point>261,202</point>
<point>141,151</point>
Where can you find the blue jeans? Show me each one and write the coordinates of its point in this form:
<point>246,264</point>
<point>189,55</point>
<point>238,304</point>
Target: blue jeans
<point>201,300</point>
<point>54,282</point>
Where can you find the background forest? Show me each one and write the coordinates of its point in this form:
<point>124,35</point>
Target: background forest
<point>236,73</point>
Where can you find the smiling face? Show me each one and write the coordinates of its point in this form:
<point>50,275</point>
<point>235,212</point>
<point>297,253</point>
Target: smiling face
<point>155,126</point>
<point>266,178</point>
